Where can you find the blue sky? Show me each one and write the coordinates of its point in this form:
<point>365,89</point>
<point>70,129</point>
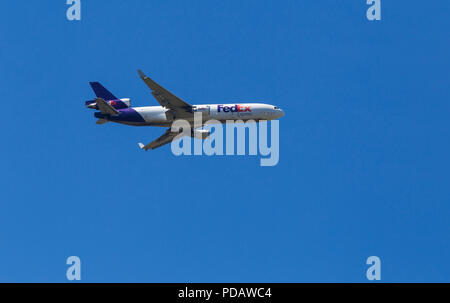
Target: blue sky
<point>364,144</point>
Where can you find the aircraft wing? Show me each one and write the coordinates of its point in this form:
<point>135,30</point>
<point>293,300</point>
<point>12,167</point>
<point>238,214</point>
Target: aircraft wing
<point>166,138</point>
<point>166,98</point>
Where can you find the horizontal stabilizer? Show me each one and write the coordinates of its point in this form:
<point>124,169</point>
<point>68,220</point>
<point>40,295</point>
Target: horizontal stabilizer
<point>105,108</point>
<point>101,121</point>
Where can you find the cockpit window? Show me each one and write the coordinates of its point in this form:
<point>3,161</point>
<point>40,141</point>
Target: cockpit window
<point>275,107</point>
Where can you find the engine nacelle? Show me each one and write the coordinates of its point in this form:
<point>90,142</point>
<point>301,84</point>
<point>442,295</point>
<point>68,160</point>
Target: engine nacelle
<point>200,133</point>
<point>127,101</point>
<point>117,104</point>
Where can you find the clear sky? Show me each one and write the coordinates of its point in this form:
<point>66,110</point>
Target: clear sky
<point>364,145</point>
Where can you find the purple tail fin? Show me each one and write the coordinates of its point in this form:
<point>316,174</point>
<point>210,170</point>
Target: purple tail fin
<point>102,92</point>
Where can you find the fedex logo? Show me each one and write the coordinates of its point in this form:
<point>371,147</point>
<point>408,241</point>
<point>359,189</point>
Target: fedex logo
<point>233,109</point>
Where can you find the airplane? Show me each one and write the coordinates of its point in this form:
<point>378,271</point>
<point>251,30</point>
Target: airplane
<point>113,109</point>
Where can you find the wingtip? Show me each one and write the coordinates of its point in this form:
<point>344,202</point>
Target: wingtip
<point>142,146</point>
<point>142,75</point>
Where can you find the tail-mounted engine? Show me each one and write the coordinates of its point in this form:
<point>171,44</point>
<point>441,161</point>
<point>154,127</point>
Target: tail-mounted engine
<point>117,104</point>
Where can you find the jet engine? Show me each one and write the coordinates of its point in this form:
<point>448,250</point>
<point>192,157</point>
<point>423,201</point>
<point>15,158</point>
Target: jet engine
<point>117,104</point>
<point>200,133</point>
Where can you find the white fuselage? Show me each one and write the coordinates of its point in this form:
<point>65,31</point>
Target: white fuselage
<point>160,116</point>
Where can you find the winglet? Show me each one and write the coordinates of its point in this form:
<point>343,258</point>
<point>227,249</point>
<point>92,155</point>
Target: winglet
<point>142,146</point>
<point>141,74</point>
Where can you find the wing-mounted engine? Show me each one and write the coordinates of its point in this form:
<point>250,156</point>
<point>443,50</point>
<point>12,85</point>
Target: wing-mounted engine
<point>200,133</point>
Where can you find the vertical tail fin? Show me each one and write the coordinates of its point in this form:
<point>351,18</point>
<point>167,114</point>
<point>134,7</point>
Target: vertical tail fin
<point>102,92</point>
